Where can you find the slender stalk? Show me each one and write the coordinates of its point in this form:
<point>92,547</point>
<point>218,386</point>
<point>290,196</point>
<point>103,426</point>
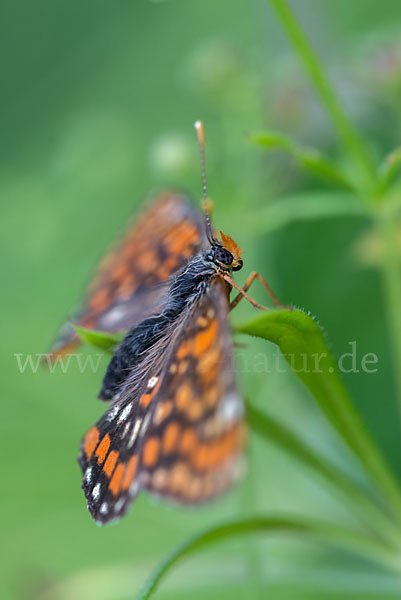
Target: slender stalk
<point>324,88</point>
<point>391,277</point>
<point>327,533</point>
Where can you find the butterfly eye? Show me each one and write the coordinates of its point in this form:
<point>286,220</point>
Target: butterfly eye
<point>224,256</point>
<point>239,265</point>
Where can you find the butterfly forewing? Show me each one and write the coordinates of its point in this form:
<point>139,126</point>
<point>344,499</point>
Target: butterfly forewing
<point>128,286</point>
<point>182,436</point>
<point>110,454</point>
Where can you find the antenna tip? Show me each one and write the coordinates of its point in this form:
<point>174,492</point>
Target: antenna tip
<point>200,132</point>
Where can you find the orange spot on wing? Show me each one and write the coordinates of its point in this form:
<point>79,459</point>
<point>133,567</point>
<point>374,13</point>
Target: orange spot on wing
<point>115,482</point>
<point>91,440</point>
<point>194,410</point>
<point>229,445</point>
<point>120,272</point>
<point>126,286</point>
<point>166,268</point>
<point>151,452</point>
<point>214,456</point>
<point>171,263</point>
<point>209,360</point>
<point>110,463</point>
<point>211,397</point>
<point>201,457</point>
<point>209,378</point>
<point>100,300</point>
<point>183,395</point>
<point>162,273</point>
<point>130,471</point>
<point>188,441</point>
<point>205,338</point>
<point>194,490</point>
<point>147,261</point>
<point>184,349</point>
<point>160,479</point>
<point>147,398</point>
<point>179,478</point>
<point>162,411</point>
<point>170,437</point>
<point>182,239</point>
<point>103,448</point>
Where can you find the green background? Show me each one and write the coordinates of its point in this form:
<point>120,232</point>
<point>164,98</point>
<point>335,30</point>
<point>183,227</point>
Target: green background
<point>98,101</point>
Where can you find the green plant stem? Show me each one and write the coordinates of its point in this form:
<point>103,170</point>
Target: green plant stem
<point>391,277</point>
<point>327,533</point>
<point>362,503</point>
<point>324,88</point>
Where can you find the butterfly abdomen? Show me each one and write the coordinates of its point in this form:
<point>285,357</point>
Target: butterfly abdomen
<point>185,289</point>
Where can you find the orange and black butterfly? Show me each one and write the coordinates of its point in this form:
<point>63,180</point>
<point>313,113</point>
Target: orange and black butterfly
<point>175,425</point>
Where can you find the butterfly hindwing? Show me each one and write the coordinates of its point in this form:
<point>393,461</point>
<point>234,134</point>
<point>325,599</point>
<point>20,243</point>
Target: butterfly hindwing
<point>182,436</point>
<point>128,285</point>
<point>193,446</point>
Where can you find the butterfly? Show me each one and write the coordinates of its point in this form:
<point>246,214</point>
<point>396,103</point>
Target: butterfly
<point>175,425</point>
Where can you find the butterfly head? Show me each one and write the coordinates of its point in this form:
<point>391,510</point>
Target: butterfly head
<point>226,254</point>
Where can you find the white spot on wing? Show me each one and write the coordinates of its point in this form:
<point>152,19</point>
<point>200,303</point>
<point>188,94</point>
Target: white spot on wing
<point>126,428</point>
<point>113,412</point>
<point>134,433</point>
<point>232,408</point>
<point>134,487</point>
<point>104,508</point>
<point>152,382</point>
<point>96,492</point>
<point>145,425</point>
<point>113,316</point>
<point>88,474</point>
<point>119,504</point>
<point>125,413</point>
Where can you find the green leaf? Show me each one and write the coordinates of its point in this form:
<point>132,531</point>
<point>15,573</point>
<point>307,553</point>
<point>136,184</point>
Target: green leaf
<point>327,533</point>
<point>362,502</point>
<point>303,345</point>
<point>308,158</point>
<point>100,339</point>
<point>306,207</point>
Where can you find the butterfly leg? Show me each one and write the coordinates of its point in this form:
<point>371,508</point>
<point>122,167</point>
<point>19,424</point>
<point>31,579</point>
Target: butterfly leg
<point>242,294</point>
<point>254,275</point>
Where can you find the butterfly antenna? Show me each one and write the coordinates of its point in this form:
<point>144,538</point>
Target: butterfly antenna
<point>200,132</point>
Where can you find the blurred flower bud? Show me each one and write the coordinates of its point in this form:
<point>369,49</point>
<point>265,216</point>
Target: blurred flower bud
<point>171,155</point>
<point>369,249</point>
<point>211,67</point>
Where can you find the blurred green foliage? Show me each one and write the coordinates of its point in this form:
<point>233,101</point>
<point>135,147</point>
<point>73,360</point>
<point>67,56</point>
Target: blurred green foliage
<point>98,101</point>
